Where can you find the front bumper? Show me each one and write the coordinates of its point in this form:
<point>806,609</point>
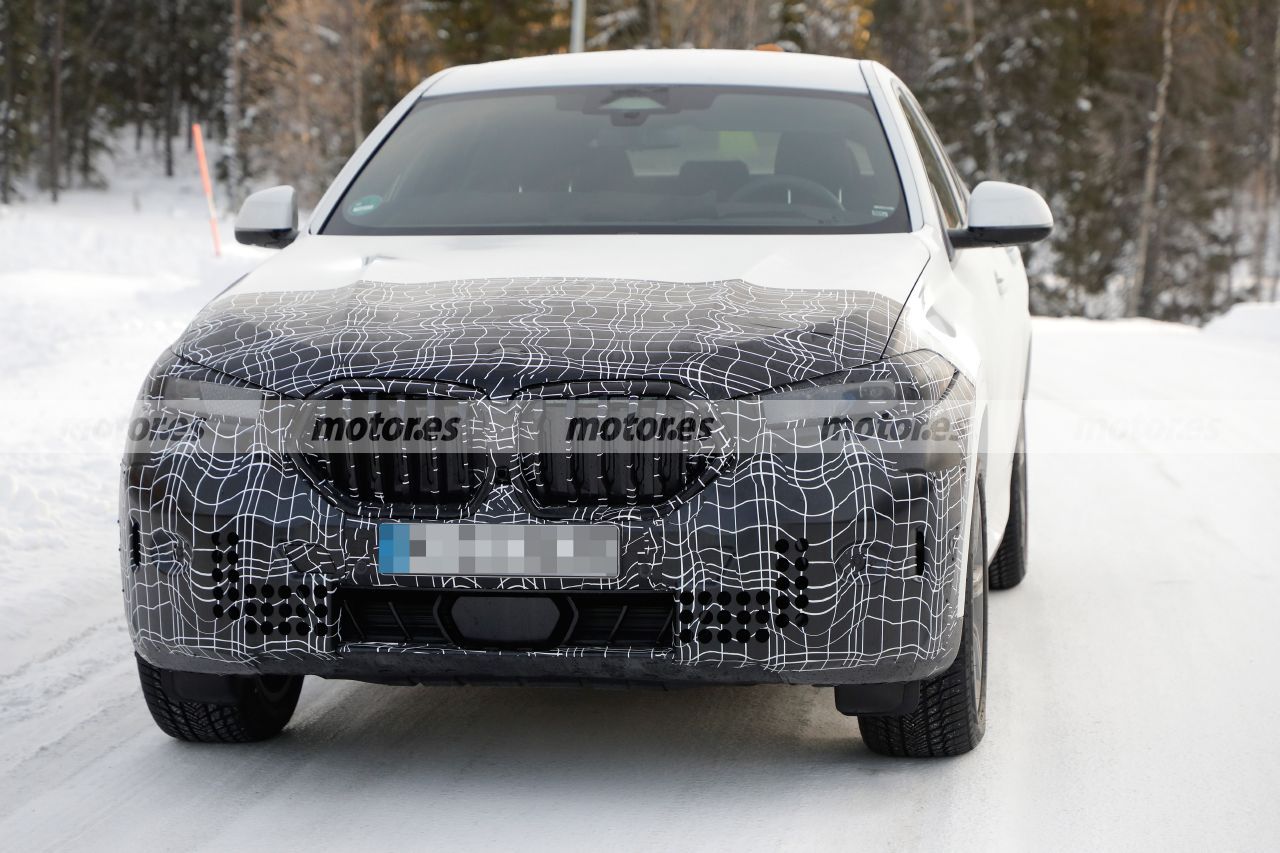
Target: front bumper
<point>788,567</point>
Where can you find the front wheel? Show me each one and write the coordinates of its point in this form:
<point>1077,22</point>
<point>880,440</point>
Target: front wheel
<point>1009,566</point>
<point>219,708</point>
<point>951,716</point>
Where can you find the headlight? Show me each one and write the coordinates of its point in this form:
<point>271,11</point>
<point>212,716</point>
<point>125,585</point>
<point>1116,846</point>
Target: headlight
<point>904,386</point>
<point>209,398</point>
<point>187,407</point>
<point>891,408</point>
<point>179,388</point>
<point>804,406</point>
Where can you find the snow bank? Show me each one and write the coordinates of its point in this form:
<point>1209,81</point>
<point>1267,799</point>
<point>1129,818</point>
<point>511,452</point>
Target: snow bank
<point>1257,321</point>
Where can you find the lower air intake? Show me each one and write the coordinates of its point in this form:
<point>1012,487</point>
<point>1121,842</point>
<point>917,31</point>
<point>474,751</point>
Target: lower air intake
<point>496,621</point>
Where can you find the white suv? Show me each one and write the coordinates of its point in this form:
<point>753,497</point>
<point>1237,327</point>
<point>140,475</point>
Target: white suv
<point>652,366</point>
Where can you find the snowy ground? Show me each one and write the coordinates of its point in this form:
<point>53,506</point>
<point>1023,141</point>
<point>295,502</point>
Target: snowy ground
<point>1133,676</point>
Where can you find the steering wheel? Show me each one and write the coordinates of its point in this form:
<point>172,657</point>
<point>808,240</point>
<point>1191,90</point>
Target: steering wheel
<point>802,186</point>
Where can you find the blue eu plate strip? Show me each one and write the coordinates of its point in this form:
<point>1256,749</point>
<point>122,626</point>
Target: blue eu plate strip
<point>393,548</point>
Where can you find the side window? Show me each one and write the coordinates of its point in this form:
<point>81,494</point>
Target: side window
<point>935,164</point>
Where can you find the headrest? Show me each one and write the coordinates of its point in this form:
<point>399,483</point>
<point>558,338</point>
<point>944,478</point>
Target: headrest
<point>719,176</point>
<point>820,157</point>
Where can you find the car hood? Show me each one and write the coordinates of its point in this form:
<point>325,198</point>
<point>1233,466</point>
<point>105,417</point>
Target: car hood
<point>721,315</point>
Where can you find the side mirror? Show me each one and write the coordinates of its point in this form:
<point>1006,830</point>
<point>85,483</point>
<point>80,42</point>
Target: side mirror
<point>268,218</point>
<point>1003,214</point>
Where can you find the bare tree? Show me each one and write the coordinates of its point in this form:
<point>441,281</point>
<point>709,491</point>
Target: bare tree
<point>991,167</point>
<point>55,108</point>
<point>231,105</point>
<point>1151,176</point>
<point>1267,221</point>
<point>171,85</point>
<point>7,109</point>
<point>357,35</point>
<point>139,72</point>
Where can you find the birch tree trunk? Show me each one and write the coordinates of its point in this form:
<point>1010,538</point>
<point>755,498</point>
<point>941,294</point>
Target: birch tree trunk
<point>653,7</point>
<point>749,41</point>
<point>1137,297</point>
<point>983,96</point>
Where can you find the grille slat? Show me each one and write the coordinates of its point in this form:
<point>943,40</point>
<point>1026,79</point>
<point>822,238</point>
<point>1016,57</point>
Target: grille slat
<point>399,459</point>
<point>399,471</point>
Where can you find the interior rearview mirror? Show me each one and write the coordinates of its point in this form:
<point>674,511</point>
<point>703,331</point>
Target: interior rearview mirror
<point>1003,214</point>
<point>268,218</point>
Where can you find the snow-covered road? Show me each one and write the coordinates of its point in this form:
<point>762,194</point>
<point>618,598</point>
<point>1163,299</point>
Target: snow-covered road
<point>1134,679</point>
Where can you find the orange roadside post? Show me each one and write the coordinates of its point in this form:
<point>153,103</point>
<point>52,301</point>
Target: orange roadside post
<point>198,137</point>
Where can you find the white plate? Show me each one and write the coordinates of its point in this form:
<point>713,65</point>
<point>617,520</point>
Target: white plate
<point>499,550</point>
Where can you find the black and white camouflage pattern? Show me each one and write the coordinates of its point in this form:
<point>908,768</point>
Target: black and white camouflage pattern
<point>208,537</point>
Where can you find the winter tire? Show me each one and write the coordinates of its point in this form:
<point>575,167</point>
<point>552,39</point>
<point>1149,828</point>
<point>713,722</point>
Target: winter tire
<point>1009,566</point>
<point>951,716</point>
<point>253,708</point>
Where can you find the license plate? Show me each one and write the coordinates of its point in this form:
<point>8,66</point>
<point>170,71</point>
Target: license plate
<point>522,550</point>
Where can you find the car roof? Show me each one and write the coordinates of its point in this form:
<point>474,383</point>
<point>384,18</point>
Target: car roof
<point>658,67</point>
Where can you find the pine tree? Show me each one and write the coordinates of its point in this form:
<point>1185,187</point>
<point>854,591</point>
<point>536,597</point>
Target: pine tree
<point>18,89</point>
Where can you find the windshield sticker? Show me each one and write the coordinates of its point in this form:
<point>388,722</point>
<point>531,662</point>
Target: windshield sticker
<point>366,204</point>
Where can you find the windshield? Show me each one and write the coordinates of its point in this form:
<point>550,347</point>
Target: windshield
<point>608,159</point>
